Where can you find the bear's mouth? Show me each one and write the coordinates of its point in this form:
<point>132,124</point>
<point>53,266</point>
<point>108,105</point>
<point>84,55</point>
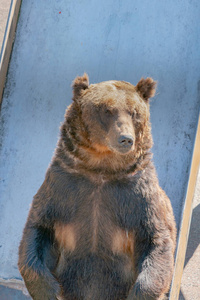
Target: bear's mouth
<point>121,149</point>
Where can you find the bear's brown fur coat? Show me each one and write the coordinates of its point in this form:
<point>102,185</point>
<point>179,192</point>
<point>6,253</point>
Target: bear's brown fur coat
<point>100,227</point>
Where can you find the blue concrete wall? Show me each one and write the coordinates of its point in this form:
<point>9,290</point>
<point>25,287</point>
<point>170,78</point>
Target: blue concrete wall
<point>123,40</point>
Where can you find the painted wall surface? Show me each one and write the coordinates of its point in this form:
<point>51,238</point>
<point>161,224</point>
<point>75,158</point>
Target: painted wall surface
<point>109,39</point>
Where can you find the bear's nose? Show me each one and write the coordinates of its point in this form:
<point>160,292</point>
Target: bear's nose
<point>125,140</point>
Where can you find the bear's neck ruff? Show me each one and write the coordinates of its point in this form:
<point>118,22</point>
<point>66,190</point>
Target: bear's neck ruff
<point>80,158</point>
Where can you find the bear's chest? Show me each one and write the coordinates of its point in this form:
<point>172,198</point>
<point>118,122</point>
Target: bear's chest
<point>99,215</point>
<point>111,201</point>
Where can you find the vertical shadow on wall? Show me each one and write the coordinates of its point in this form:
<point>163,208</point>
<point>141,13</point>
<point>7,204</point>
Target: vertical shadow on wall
<point>181,297</point>
<point>193,240</point>
<point>194,235</point>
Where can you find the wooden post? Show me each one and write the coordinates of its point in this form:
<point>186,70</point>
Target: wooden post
<point>186,218</point>
<point>8,43</point>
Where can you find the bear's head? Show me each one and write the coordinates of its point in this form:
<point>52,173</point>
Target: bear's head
<point>107,125</point>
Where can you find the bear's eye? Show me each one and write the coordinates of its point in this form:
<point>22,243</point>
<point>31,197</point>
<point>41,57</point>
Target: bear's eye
<point>108,112</point>
<point>132,114</point>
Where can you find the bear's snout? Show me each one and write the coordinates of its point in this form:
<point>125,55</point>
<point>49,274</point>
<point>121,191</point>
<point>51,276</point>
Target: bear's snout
<point>122,143</point>
<point>121,135</point>
<point>125,141</point>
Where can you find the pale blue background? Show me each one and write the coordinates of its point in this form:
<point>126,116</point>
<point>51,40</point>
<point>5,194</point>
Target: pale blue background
<point>108,39</point>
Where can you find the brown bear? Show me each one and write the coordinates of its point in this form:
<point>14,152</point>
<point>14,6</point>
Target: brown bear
<point>100,227</point>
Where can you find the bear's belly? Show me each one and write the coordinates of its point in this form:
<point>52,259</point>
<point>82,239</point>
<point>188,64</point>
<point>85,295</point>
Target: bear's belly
<point>96,249</point>
<point>94,277</point>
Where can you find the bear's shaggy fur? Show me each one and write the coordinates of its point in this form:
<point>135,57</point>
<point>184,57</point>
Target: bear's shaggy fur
<point>100,227</point>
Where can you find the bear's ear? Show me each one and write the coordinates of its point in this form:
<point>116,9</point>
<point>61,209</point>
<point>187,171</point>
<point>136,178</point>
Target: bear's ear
<point>80,83</point>
<point>146,88</point>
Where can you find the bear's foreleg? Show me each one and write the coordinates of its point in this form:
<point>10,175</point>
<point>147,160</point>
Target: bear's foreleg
<point>155,269</point>
<point>36,256</point>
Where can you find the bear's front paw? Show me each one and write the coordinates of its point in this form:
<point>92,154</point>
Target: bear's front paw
<point>140,292</point>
